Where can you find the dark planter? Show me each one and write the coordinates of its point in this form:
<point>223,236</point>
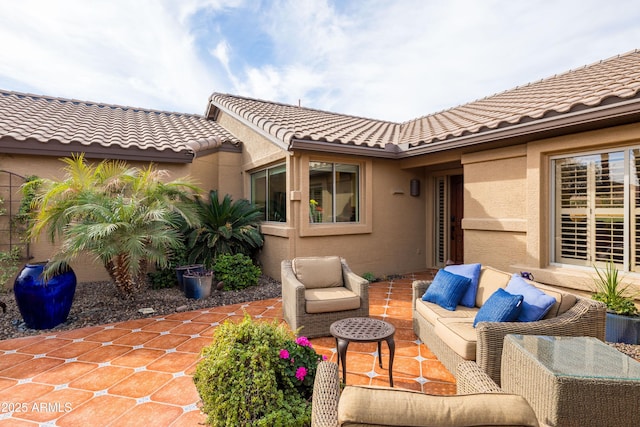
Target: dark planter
<point>623,329</point>
<point>197,286</point>
<point>181,270</point>
<point>44,305</point>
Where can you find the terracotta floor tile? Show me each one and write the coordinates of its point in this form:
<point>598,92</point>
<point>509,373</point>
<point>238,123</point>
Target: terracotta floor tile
<point>55,404</point>
<point>434,370</point>
<point>376,311</point>
<point>45,346</point>
<point>148,414</point>
<point>6,383</point>
<point>136,338</point>
<point>194,345</point>
<point>190,419</point>
<point>191,328</point>
<point>74,349</point>
<point>356,379</point>
<point>31,368</point>
<point>14,422</point>
<point>104,354</point>
<point>167,341</point>
<point>18,343</point>
<point>438,388</point>
<point>24,393</point>
<point>79,333</point>
<point>226,309</point>
<point>161,325</point>
<point>135,324</point>
<point>104,408</point>
<point>65,373</point>
<point>405,367</point>
<point>399,312</point>
<point>426,353</point>
<point>137,358</point>
<point>210,318</point>
<point>357,362</point>
<point>179,391</point>
<point>173,362</point>
<point>407,349</point>
<point>107,335</point>
<point>13,359</point>
<point>101,378</point>
<point>140,384</point>
<point>404,334</point>
<point>186,315</point>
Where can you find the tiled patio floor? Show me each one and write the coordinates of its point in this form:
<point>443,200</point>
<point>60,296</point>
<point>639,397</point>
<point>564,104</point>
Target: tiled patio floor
<point>138,373</point>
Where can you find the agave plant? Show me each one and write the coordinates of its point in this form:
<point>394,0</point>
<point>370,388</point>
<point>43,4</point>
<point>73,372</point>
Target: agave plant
<point>610,289</point>
<point>227,227</point>
<point>126,217</point>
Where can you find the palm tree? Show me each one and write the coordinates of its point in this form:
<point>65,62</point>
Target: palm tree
<point>126,217</point>
<point>226,227</point>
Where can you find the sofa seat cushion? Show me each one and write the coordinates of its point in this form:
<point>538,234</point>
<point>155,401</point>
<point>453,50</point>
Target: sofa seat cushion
<point>432,312</point>
<point>459,334</point>
<point>378,406</point>
<point>318,272</point>
<point>326,300</point>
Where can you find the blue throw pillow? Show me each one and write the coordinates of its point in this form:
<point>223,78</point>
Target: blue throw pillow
<point>446,290</point>
<point>500,307</point>
<point>535,303</point>
<point>472,271</point>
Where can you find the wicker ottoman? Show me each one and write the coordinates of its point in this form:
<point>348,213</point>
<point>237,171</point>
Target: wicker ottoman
<point>572,381</point>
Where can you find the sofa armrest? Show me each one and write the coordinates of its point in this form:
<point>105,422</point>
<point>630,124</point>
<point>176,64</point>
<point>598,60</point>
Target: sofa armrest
<point>585,318</point>
<point>326,394</point>
<point>292,290</point>
<point>471,379</point>
<point>419,288</point>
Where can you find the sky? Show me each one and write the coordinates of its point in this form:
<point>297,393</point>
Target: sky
<point>390,60</point>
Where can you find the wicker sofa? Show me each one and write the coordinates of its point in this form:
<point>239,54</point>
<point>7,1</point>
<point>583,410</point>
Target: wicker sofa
<point>450,335</point>
<point>474,405</point>
<point>317,291</point>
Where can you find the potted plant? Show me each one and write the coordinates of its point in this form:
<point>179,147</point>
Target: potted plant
<point>623,323</point>
<point>197,284</point>
<point>256,374</point>
<point>181,270</point>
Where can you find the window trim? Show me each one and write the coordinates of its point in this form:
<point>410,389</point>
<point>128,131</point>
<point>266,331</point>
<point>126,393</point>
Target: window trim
<point>337,228</point>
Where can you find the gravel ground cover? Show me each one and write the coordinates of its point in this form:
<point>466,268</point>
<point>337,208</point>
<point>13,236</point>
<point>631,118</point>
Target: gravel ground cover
<point>97,303</point>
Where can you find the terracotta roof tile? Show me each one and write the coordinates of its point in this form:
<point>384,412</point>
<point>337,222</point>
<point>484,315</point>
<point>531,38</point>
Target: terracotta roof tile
<point>48,119</point>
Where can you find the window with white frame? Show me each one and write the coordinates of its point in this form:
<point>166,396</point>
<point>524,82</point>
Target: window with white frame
<point>597,208</point>
<point>334,192</point>
<point>268,191</point>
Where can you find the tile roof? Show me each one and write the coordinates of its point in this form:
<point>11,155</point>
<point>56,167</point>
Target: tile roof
<point>68,122</point>
<point>607,82</point>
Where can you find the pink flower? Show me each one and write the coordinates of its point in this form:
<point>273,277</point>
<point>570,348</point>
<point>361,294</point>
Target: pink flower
<point>301,373</point>
<point>284,354</point>
<point>324,357</point>
<point>303,341</point>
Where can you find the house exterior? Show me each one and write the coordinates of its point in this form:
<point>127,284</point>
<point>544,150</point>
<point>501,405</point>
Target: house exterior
<point>541,178</point>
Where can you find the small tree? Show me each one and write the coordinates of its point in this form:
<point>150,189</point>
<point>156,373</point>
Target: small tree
<point>126,217</point>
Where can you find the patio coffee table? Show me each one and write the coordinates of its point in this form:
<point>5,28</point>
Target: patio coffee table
<point>572,381</point>
<point>363,329</point>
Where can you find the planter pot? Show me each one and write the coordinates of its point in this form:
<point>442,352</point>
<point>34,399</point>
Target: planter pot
<point>180,272</point>
<point>622,329</point>
<point>44,305</point>
<point>197,286</point>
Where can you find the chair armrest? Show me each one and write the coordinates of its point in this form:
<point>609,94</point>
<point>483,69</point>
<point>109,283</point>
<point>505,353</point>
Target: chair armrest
<point>355,283</point>
<point>419,288</point>
<point>585,318</point>
<point>470,379</point>
<point>292,290</point>
<point>326,395</point>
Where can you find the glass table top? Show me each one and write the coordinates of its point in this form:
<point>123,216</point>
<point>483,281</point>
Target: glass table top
<point>582,357</point>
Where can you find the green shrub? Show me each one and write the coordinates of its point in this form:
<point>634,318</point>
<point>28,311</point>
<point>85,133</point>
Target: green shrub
<point>369,276</point>
<point>244,379</point>
<point>611,290</point>
<point>236,271</point>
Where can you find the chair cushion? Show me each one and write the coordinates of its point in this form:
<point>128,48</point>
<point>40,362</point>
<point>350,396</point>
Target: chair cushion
<point>535,303</point>
<point>318,272</point>
<point>472,271</point>
<point>500,307</point>
<point>378,406</point>
<point>447,289</point>
<point>326,300</point>
<point>491,280</point>
<point>432,312</point>
<point>459,334</point>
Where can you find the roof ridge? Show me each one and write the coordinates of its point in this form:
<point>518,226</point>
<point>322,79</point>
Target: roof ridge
<point>48,98</point>
<point>284,104</point>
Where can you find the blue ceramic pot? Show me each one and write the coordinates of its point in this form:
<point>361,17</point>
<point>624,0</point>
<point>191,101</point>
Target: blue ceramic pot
<point>44,305</point>
<point>197,285</point>
<point>186,269</point>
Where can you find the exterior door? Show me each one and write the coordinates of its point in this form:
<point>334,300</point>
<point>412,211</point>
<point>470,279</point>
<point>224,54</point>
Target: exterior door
<point>456,212</point>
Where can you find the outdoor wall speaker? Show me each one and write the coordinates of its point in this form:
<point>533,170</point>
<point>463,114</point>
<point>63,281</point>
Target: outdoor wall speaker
<point>414,188</point>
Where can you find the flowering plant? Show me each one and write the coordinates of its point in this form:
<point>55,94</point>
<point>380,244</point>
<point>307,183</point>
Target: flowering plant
<point>299,361</point>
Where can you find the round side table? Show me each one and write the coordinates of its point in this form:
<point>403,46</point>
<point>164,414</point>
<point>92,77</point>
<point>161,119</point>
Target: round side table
<point>363,329</point>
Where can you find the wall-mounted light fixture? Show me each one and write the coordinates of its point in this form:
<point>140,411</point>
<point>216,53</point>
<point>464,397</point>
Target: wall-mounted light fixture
<point>414,187</point>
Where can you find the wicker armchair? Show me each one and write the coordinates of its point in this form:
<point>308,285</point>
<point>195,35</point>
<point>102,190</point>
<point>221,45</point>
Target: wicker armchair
<point>317,291</point>
<point>475,404</point>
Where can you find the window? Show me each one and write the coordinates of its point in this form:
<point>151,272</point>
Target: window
<point>334,192</point>
<point>268,191</point>
<point>597,209</point>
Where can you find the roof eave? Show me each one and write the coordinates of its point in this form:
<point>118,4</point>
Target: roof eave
<point>607,115</point>
<point>389,152</point>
